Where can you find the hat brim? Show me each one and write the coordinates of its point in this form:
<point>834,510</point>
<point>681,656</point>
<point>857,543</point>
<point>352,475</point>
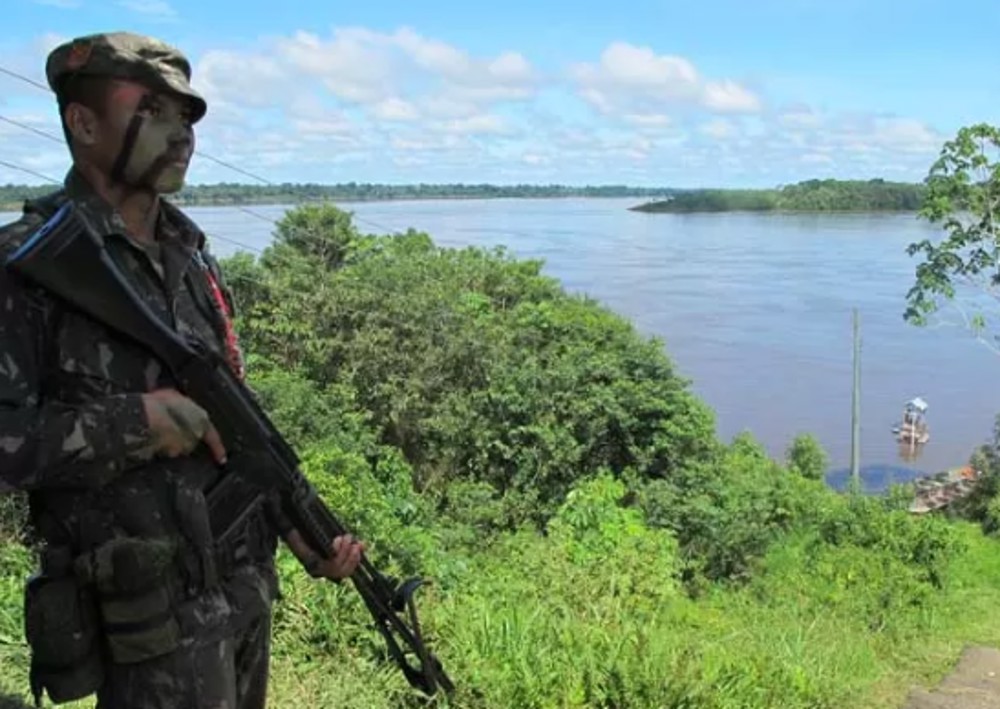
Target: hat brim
<point>178,85</point>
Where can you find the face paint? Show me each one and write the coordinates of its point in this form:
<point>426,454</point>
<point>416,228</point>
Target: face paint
<point>156,145</point>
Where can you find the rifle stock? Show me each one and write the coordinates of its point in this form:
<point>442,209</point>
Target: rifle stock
<point>68,258</point>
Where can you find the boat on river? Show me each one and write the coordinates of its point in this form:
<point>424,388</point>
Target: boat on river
<point>913,428</point>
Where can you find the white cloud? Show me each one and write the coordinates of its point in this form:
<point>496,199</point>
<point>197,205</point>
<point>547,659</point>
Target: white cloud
<point>241,79</point>
<point>816,159</point>
<point>366,67</point>
<point>906,135</point>
<point>349,65</point>
<point>718,128</point>
<point>870,134</point>
<point>729,97</point>
<point>535,159</point>
<point>395,109</point>
<point>41,159</point>
<point>799,116</point>
<point>27,58</point>
<point>632,80</point>
<point>623,64</point>
<point>398,105</point>
<point>484,124</point>
<point>328,128</point>
<point>647,120</point>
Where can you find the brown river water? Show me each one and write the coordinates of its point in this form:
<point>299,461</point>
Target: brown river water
<point>755,309</point>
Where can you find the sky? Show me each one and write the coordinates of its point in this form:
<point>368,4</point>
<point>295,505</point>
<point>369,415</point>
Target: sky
<point>657,93</point>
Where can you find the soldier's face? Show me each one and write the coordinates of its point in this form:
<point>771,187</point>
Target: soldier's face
<point>148,136</point>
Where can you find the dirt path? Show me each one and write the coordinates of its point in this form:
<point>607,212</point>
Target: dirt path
<point>974,683</point>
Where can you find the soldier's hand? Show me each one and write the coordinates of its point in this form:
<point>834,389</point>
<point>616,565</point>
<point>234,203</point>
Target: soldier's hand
<point>177,424</point>
<point>345,555</point>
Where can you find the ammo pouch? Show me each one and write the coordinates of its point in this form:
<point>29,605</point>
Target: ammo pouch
<point>130,577</point>
<point>62,629</point>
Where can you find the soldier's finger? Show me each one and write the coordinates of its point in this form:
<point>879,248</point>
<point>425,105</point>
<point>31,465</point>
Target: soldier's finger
<point>214,442</point>
<point>341,549</point>
<point>354,560</point>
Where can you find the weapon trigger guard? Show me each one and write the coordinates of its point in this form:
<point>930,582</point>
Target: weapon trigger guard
<point>405,592</point>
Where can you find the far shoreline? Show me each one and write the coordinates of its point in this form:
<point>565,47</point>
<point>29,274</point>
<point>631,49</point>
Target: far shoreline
<point>827,196</point>
<point>17,206</point>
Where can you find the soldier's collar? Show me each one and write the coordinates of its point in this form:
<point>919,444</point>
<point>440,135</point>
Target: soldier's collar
<point>170,221</point>
<point>185,230</point>
<point>102,215</point>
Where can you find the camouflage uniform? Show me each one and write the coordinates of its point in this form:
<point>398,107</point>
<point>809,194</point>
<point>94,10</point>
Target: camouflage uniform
<point>195,630</point>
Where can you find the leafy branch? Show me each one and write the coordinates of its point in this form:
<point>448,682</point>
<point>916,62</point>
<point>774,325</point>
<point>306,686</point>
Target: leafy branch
<point>963,198</point>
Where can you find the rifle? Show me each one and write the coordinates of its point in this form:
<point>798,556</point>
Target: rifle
<point>68,258</point>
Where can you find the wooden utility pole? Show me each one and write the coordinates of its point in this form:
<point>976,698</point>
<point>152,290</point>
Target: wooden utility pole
<point>856,409</point>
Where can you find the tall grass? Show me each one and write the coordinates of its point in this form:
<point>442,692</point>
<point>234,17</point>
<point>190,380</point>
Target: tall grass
<point>536,621</point>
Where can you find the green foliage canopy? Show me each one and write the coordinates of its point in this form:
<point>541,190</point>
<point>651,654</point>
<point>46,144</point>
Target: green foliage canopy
<point>473,364</point>
<point>808,196</point>
<point>963,199</point>
<point>806,456</point>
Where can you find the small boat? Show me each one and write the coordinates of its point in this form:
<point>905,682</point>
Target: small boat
<point>913,428</point>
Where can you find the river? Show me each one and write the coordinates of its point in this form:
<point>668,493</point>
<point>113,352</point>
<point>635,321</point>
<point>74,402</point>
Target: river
<point>755,309</point>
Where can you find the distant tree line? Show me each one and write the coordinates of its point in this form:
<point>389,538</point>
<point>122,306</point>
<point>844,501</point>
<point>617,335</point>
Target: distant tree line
<point>12,196</point>
<point>811,195</point>
<point>808,196</point>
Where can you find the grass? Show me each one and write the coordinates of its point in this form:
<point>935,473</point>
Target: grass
<point>532,625</point>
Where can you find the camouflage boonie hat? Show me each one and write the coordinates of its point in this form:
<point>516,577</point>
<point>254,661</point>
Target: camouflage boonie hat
<point>124,55</point>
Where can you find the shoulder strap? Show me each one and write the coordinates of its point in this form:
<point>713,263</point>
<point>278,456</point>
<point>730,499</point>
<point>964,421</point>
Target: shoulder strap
<point>47,205</point>
<point>46,208</point>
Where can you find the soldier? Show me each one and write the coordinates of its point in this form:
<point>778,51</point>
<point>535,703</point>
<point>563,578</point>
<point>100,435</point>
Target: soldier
<point>134,600</point>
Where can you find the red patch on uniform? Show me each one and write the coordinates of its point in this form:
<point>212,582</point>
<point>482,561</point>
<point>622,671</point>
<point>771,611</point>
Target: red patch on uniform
<point>79,55</point>
<point>233,353</point>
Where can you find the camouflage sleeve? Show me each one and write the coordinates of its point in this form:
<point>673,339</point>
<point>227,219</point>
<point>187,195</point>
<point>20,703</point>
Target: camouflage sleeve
<point>48,443</point>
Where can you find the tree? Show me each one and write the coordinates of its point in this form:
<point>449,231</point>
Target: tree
<point>963,197</point>
<point>806,457</point>
<point>320,232</point>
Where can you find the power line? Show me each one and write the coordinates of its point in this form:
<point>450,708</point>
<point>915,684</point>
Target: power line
<point>29,171</point>
<point>37,131</point>
<point>199,153</point>
<point>219,161</point>
<point>235,276</point>
<point>24,78</point>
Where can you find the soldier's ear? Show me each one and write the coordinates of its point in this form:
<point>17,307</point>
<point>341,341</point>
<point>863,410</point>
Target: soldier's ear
<point>81,122</point>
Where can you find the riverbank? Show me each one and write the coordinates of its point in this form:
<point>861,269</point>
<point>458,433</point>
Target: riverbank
<point>831,196</point>
<point>231,194</point>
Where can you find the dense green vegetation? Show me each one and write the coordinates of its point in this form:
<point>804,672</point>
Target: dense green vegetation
<point>808,196</point>
<point>960,270</point>
<point>12,196</point>
<point>591,542</point>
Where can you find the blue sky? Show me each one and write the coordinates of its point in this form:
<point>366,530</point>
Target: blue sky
<point>704,93</point>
